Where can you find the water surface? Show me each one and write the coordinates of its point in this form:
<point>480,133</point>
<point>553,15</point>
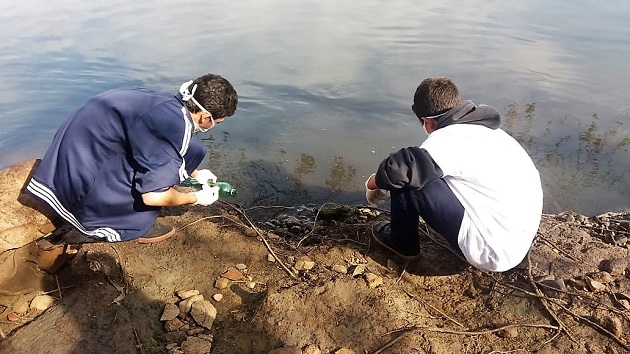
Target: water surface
<point>325,87</point>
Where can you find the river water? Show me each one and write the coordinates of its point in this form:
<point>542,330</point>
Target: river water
<point>325,87</point>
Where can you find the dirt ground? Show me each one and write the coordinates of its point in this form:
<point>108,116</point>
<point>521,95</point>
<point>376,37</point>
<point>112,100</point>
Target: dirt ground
<point>328,290</point>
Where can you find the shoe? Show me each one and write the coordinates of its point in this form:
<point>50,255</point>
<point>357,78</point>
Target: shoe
<point>157,233</point>
<point>382,234</point>
<point>68,235</point>
<point>75,236</point>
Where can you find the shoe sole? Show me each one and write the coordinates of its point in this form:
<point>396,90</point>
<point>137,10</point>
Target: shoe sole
<point>164,237</point>
<point>406,258</point>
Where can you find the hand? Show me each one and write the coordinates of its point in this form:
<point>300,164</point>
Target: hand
<point>375,197</point>
<point>207,195</point>
<point>204,175</point>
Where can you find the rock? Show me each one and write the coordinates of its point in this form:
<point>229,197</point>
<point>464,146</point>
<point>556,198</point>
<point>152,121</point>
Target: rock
<point>233,274</point>
<point>286,350</point>
<point>195,331</point>
<point>42,302</point>
<point>185,294</point>
<point>311,349</point>
<point>358,270</point>
<point>304,263</point>
<point>20,306</point>
<point>186,305</point>
<point>217,297</point>
<point>13,317</point>
<point>171,346</point>
<point>208,337</point>
<point>553,287</point>
<point>194,345</point>
<point>340,269</point>
<point>510,332</point>
<point>171,311</point>
<point>612,324</point>
<point>251,284</point>
<point>373,280</point>
<point>615,266</point>
<point>594,285</point>
<point>221,283</point>
<point>581,218</point>
<point>271,258</point>
<point>602,277</point>
<point>241,266</point>
<point>204,313</point>
<point>621,241</point>
<point>173,325</point>
<point>345,351</point>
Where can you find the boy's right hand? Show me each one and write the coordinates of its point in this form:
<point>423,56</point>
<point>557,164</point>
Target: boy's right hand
<point>207,195</point>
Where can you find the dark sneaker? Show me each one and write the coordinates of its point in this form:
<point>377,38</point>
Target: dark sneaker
<point>382,234</point>
<point>68,235</point>
<point>75,236</point>
<point>157,233</point>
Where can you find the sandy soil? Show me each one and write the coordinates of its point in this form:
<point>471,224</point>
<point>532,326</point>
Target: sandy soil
<point>572,294</point>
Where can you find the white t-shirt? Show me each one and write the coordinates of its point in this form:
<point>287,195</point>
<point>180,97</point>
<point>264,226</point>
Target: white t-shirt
<point>498,185</point>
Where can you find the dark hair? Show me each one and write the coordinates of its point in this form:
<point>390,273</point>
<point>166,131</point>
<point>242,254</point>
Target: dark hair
<point>434,96</point>
<point>215,94</point>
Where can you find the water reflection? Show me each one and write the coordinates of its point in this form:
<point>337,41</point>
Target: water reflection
<point>586,175</point>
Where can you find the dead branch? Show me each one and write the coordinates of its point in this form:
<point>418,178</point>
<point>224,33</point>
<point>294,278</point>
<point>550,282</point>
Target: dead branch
<point>405,331</point>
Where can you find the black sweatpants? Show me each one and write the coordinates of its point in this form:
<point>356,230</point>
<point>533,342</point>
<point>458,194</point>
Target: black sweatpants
<point>435,203</point>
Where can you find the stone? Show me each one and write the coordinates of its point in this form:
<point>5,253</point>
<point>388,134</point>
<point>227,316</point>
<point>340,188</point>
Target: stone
<point>345,351</point>
<point>286,350</point>
<point>594,285</point>
<point>612,324</point>
<point>373,280</point>
<point>510,332</point>
<point>625,303</point>
<point>341,269</point>
<point>195,345</point>
<point>304,263</point>
<point>204,313</point>
<point>251,284</point>
<point>42,302</point>
<point>553,287</point>
<point>603,277</point>
<point>186,305</point>
<point>358,270</point>
<point>217,297</point>
<point>621,241</point>
<point>233,274</point>
<point>581,218</point>
<point>185,294</point>
<point>171,311</point>
<point>614,266</point>
<point>20,306</point>
<point>221,283</point>
<point>241,266</point>
<point>173,325</point>
<point>271,258</point>
<point>311,349</point>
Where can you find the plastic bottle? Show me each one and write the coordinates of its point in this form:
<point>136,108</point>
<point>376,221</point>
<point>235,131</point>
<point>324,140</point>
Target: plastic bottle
<point>225,189</point>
